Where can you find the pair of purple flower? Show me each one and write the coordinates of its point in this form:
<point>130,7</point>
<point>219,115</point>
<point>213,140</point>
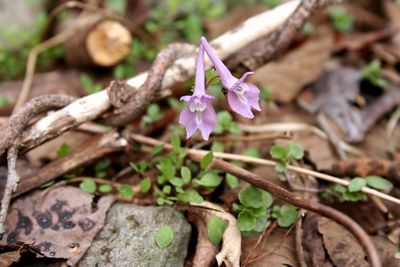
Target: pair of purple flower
<point>199,113</point>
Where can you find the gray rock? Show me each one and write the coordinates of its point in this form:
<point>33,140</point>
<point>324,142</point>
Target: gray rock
<point>128,238</point>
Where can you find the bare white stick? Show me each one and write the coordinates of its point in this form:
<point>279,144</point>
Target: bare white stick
<point>92,106</point>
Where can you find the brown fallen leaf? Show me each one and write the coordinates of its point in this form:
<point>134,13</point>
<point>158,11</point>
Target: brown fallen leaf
<point>287,76</point>
<point>276,250</point>
<point>14,256</point>
<point>205,250</point>
<point>386,250</point>
<point>61,223</point>
<point>343,249</point>
<point>310,242</point>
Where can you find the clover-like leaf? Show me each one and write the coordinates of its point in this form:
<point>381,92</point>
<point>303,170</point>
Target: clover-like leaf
<point>125,191</point>
<point>246,221</point>
<point>88,185</point>
<point>215,229</point>
<point>356,184</point>
<point>378,183</point>
<point>255,197</point>
<point>164,236</point>
<point>287,215</point>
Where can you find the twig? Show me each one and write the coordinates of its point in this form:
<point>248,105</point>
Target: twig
<point>294,127</point>
<point>13,128</point>
<point>95,148</point>
<point>265,49</point>
<point>255,137</point>
<point>332,137</point>
<point>266,233</point>
<point>137,100</point>
<point>30,69</point>
<point>11,185</point>
<point>283,194</point>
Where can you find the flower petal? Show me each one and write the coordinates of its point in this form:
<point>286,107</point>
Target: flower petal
<point>188,120</point>
<point>199,84</point>
<point>241,80</point>
<point>208,122</point>
<point>239,106</point>
<point>226,76</point>
<point>186,98</point>
<point>252,94</point>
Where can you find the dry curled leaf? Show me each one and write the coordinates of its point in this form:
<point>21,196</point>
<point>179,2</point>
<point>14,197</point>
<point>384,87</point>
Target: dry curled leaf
<point>231,239</point>
<point>205,250</point>
<point>343,249</point>
<point>61,223</point>
<point>287,76</point>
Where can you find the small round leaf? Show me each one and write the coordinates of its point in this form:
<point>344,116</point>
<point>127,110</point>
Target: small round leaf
<point>164,236</point>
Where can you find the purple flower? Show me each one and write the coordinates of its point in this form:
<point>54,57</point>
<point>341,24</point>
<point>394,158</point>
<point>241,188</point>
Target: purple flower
<point>198,114</point>
<point>241,96</point>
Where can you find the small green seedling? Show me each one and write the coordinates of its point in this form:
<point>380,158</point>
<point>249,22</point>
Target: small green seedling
<point>372,73</point>
<point>226,124</point>
<point>285,154</point>
<point>285,215</point>
<point>153,114</point>
<point>88,85</point>
<point>342,20</point>
<point>253,209</point>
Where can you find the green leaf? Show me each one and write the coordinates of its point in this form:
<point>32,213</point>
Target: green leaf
<point>167,189</point>
<point>176,143</point>
<point>63,150</point>
<point>134,167</point>
<point>175,181</point>
<point>186,174</point>
<point>261,222</point>
<point>378,183</point>
<point>190,195</point>
<point>215,229</point>
<point>342,19</point>
<point>100,167</point>
<point>278,152</point>
<point>206,160</point>
<point>353,196</point>
<point>254,197</point>
<point>154,112</point>
<point>157,149</point>
<point>252,152</point>
<point>210,179</point>
<point>295,150</point>
<point>105,188</point>
<point>231,180</point>
<point>280,167</point>
<point>164,236</point>
<point>217,147</point>
<point>246,221</point>
<point>88,185</point>
<point>287,215</point>
<point>356,184</point>
<point>145,185</point>
<point>125,191</point>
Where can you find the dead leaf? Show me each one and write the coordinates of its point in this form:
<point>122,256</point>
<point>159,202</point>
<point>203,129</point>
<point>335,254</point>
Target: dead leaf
<point>287,76</point>
<point>205,250</point>
<point>312,246</point>
<point>276,250</point>
<point>386,250</point>
<point>343,249</point>
<point>61,223</point>
<point>231,239</point>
